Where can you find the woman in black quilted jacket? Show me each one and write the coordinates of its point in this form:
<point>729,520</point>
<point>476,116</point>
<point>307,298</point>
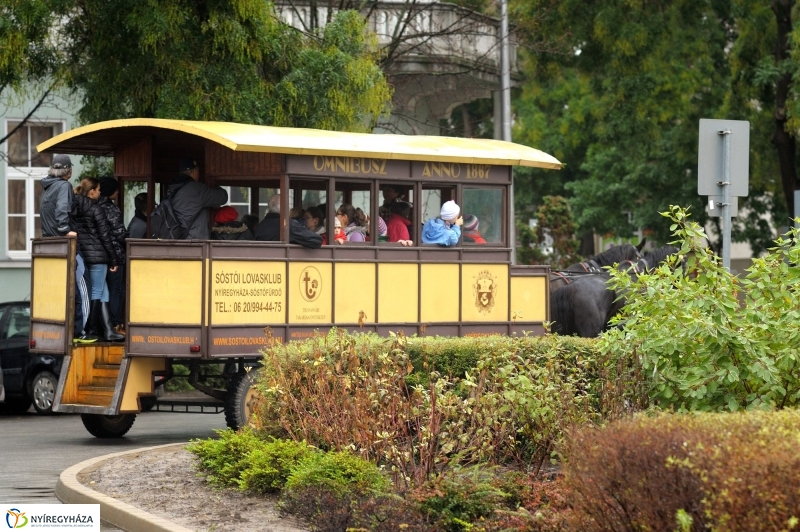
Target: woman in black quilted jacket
<point>99,253</point>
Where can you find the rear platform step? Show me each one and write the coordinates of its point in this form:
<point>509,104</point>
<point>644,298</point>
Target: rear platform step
<point>193,405</point>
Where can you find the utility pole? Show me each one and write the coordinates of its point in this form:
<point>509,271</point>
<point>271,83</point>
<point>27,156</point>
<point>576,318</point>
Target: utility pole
<point>505,109</point>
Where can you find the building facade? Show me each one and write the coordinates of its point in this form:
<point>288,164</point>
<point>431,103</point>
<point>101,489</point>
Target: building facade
<point>21,169</point>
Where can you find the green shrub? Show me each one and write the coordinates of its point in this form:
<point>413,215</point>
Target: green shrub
<point>268,466</point>
<point>699,349</point>
<point>456,499</point>
<point>341,472</point>
<point>225,458</point>
<point>725,472</point>
<point>491,399</point>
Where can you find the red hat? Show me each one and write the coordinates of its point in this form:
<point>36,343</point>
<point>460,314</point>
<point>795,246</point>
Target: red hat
<point>226,214</point>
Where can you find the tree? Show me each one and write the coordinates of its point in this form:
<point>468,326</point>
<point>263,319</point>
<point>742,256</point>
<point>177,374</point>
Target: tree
<point>620,100</point>
<point>229,61</point>
<point>29,59</point>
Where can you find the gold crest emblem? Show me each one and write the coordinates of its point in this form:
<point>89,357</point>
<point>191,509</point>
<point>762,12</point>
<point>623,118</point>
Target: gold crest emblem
<point>484,289</point>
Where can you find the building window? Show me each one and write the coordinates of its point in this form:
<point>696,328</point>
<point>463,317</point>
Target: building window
<point>25,167</point>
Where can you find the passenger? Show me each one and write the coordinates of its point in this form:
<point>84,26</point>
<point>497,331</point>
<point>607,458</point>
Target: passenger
<point>338,233</point>
<point>109,192</point>
<point>269,229</point>
<point>470,230</point>
<point>391,195</point>
<point>97,247</point>
<point>382,231</point>
<point>251,221</point>
<point>398,223</point>
<point>55,210</point>
<point>226,227</point>
<point>297,212</point>
<point>191,199</point>
<point>444,230</point>
<point>137,228</point>
<point>354,222</point>
<point>315,221</point>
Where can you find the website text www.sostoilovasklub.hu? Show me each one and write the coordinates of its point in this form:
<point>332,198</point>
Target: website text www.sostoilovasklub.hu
<point>239,340</point>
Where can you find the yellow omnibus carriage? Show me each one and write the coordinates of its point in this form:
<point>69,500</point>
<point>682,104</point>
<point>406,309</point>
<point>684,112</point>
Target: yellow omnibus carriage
<point>196,302</point>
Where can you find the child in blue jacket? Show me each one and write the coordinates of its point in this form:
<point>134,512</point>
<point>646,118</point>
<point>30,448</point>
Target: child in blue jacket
<point>446,229</point>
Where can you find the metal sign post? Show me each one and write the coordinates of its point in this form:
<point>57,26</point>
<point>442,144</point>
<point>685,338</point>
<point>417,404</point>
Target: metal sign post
<point>723,169</point>
<point>726,198</point>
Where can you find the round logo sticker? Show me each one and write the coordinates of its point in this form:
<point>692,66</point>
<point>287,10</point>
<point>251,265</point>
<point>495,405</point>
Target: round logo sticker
<point>310,283</point>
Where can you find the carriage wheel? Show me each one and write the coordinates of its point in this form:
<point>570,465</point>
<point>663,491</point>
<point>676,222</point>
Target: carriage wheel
<point>241,399</point>
<point>101,426</point>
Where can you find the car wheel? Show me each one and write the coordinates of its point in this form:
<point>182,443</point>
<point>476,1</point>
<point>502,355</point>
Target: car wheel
<point>241,399</point>
<point>43,392</point>
<point>102,426</point>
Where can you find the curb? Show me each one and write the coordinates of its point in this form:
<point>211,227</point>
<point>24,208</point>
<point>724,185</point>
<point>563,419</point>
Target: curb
<point>117,513</point>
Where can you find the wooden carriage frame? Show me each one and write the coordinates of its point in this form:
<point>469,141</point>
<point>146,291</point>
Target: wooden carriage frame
<point>183,303</point>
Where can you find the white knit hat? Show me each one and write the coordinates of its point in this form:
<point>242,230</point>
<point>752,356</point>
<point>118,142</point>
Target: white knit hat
<point>449,211</point>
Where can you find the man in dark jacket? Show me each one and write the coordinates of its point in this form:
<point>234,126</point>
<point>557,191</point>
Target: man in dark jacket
<point>54,209</point>
<point>137,228</point>
<point>192,199</point>
<point>56,202</point>
<point>270,227</point>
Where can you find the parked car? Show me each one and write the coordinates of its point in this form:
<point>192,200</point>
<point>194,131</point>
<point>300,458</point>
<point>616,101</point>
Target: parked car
<point>2,388</point>
<point>27,377</point>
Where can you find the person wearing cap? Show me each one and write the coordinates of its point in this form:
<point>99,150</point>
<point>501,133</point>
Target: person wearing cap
<point>226,227</point>
<point>55,215</point>
<point>56,202</point>
<point>191,200</point>
<point>109,192</point>
<point>137,227</point>
<point>444,230</point>
<point>470,230</point>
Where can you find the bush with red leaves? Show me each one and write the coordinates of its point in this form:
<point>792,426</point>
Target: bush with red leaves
<point>725,472</point>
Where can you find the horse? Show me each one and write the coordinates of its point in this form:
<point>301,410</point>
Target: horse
<point>585,306</point>
<point>609,257</point>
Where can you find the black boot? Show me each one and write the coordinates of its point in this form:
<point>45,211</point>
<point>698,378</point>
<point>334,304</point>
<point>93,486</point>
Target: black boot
<point>108,325</point>
<point>90,330</point>
<point>93,325</point>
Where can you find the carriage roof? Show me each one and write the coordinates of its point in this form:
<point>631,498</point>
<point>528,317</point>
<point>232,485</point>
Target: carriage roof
<point>104,137</point>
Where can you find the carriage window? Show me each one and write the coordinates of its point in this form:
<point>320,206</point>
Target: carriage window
<point>304,194</point>
<point>397,199</point>
<point>130,189</point>
<point>308,200</point>
<point>239,199</point>
<point>433,199</point>
<point>482,210</point>
<point>352,203</point>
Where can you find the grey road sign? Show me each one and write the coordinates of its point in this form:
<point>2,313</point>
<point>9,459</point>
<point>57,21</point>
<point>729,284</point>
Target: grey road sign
<point>710,157</point>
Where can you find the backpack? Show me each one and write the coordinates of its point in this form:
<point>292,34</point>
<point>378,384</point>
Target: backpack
<point>163,222</point>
